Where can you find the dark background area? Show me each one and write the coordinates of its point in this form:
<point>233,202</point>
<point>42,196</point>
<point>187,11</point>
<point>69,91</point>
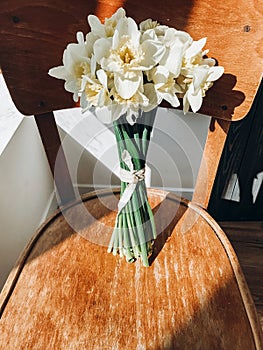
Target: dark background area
<point>242,156</point>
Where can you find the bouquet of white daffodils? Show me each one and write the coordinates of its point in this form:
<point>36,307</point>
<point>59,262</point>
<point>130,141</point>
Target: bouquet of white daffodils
<point>123,71</point>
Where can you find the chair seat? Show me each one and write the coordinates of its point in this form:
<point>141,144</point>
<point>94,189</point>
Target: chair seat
<point>67,292</point>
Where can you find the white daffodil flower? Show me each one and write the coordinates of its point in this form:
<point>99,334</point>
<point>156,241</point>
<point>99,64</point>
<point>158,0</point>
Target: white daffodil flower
<point>122,68</point>
<point>76,63</point>
<point>176,42</point>
<point>131,107</point>
<point>125,52</point>
<point>203,79</point>
<point>164,86</point>
<point>194,51</point>
<point>95,91</point>
<point>128,83</point>
<point>193,57</point>
<point>107,29</point>
<point>148,24</point>
<point>126,56</point>
<point>152,30</point>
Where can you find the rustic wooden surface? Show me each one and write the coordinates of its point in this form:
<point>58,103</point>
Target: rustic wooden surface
<point>216,137</point>
<point>56,158</point>
<point>247,240</point>
<point>68,293</point>
<point>33,35</point>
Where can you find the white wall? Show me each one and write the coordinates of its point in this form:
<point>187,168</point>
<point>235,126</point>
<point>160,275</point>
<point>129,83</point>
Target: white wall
<point>26,190</point>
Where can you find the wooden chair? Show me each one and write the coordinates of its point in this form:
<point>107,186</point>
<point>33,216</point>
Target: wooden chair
<point>66,292</point>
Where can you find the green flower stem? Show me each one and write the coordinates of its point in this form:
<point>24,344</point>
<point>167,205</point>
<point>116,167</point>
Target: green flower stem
<point>139,226</point>
<point>133,235</point>
<point>134,229</point>
<point>127,235</point>
<point>145,142</point>
<point>121,229</point>
<point>137,140</point>
<point>116,241</point>
<point>143,194</point>
<point>110,246</point>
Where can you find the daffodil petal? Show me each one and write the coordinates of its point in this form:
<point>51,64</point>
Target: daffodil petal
<point>127,87</point>
<point>195,100</point>
<point>58,72</point>
<point>186,104</point>
<point>102,77</point>
<point>70,85</point>
<point>128,27</point>
<point>195,48</point>
<point>150,93</point>
<point>174,60</point>
<point>171,98</point>
<point>108,114</point>
<point>200,76</point>
<point>153,53</point>
<point>80,38</point>
<point>215,73</point>
<point>93,65</point>
<point>102,48</point>
<point>209,62</point>
<point>149,35</point>
<point>160,75</point>
<point>96,26</point>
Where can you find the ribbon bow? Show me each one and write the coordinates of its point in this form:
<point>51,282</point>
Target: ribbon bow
<point>131,176</point>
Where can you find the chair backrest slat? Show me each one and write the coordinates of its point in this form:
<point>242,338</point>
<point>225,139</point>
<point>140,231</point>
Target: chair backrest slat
<point>55,154</point>
<point>33,36</point>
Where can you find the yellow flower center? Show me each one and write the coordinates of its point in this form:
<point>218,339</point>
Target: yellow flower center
<point>92,92</point>
<point>81,68</point>
<point>133,100</point>
<point>110,26</point>
<point>126,55</point>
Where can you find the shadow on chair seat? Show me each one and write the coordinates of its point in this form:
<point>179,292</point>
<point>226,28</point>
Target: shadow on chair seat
<point>68,293</point>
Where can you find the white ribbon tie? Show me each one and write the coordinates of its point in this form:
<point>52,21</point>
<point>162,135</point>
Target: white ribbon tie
<point>131,176</point>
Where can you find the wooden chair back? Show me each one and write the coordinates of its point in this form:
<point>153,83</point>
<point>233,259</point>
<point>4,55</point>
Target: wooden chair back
<point>33,36</point>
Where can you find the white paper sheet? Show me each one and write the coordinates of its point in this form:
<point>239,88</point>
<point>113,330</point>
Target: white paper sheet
<point>93,135</point>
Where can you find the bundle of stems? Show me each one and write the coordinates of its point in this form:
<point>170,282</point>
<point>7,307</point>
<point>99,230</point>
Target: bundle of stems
<point>134,230</point>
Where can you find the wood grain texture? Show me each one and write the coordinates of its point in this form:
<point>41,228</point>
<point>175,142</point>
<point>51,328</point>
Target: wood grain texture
<point>68,293</point>
<point>247,240</point>
<point>56,158</point>
<point>33,35</point>
<point>216,137</point>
